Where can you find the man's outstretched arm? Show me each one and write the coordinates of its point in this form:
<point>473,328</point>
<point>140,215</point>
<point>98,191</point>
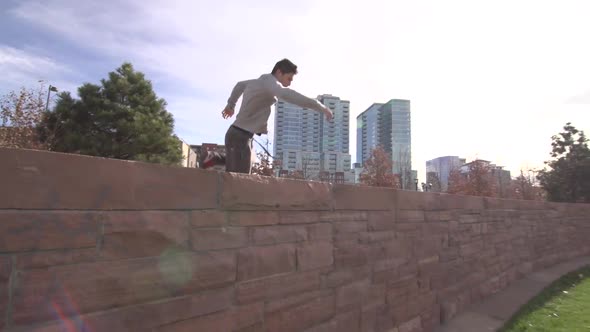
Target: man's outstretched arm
<point>294,97</point>
<point>237,91</point>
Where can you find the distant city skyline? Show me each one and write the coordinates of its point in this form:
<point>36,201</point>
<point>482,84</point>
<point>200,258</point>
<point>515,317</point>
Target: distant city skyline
<point>490,80</point>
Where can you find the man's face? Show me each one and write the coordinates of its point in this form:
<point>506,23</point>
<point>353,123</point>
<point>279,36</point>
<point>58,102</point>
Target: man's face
<point>285,79</point>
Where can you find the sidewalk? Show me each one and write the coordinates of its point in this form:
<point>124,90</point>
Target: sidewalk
<point>491,314</point>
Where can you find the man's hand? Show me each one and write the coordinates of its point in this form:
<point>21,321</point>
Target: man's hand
<point>227,113</point>
<point>328,113</point>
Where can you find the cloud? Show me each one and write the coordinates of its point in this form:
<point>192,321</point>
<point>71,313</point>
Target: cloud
<point>10,56</point>
<point>193,53</point>
<point>202,47</point>
<point>466,75</point>
<point>20,67</point>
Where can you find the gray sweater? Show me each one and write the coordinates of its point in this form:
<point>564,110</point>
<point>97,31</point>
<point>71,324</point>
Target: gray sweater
<point>259,95</point>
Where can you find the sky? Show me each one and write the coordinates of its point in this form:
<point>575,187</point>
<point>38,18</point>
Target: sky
<point>486,79</point>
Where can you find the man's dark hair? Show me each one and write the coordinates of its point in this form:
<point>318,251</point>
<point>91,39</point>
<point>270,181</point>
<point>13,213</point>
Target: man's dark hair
<point>285,66</point>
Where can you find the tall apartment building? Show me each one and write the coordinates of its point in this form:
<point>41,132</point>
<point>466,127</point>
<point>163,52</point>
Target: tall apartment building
<point>306,141</point>
<point>388,125</point>
<point>367,133</point>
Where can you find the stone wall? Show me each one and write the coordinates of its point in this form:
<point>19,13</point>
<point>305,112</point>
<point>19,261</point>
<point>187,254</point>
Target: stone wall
<point>92,244</point>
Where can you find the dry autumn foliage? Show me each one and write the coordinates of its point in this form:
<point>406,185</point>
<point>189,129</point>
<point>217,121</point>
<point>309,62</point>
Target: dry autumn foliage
<point>264,166</point>
<point>21,113</point>
<point>477,181</point>
<point>378,170</point>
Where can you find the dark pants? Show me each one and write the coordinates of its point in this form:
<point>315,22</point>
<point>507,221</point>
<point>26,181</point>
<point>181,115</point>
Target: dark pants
<point>238,150</point>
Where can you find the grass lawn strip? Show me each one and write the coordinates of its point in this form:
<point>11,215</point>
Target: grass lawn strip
<point>562,306</point>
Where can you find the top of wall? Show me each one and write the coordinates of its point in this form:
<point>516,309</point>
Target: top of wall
<point>32,179</point>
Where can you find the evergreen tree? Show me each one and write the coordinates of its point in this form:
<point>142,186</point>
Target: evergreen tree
<point>568,180</point>
<point>122,118</point>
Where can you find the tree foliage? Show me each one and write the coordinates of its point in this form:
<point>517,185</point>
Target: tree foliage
<point>264,166</point>
<point>457,181</point>
<point>476,181</point>
<point>525,187</point>
<point>433,182</point>
<point>20,114</point>
<point>568,179</point>
<point>121,118</point>
<point>378,170</point>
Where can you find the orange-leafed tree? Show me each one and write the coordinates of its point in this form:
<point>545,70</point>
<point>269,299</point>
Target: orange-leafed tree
<point>378,170</point>
<point>477,180</point>
<point>457,181</point>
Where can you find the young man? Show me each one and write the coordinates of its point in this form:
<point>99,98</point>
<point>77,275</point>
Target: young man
<point>252,119</point>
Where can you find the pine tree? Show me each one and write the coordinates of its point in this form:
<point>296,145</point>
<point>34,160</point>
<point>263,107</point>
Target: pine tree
<point>122,118</point>
<point>568,180</point>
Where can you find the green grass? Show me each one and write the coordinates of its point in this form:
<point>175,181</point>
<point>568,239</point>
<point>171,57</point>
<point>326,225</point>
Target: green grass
<point>562,306</point>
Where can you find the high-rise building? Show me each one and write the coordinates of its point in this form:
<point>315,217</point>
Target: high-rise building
<point>389,126</point>
<point>296,129</point>
<point>335,134</point>
<point>367,133</point>
<point>439,169</point>
<point>305,141</point>
<point>401,136</point>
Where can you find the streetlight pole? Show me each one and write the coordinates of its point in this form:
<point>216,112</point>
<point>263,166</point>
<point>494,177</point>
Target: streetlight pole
<point>51,88</point>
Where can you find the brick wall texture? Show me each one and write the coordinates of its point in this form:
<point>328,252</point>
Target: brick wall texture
<point>93,244</point>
